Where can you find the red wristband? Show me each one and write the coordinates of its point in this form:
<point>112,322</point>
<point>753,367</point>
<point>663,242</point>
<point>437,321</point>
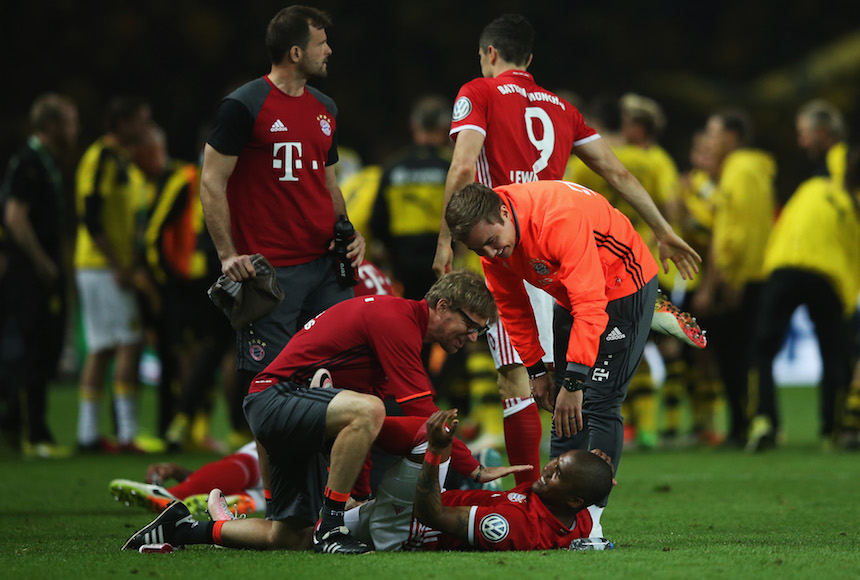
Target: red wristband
<point>432,458</point>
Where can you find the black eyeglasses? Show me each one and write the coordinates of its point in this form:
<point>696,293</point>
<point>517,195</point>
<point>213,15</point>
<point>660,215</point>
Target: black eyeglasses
<point>471,325</point>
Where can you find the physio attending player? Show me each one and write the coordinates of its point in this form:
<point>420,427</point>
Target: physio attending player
<point>569,241</point>
<point>368,344</point>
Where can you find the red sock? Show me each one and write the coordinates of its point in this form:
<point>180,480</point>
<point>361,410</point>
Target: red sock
<point>233,474</point>
<point>216,532</point>
<point>522,436</point>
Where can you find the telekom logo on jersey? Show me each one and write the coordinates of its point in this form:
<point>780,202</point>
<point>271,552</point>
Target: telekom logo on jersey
<point>288,157</point>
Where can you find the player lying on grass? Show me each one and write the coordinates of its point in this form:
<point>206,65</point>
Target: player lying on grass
<point>545,514</point>
<point>411,512</point>
<point>236,474</point>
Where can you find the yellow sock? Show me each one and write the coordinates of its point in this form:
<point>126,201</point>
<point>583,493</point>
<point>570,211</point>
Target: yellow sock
<point>672,394</point>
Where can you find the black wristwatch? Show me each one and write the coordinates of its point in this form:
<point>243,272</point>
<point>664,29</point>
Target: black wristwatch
<point>572,385</point>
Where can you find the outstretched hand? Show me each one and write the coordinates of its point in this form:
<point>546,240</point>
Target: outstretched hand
<point>486,474</point>
<point>672,247</point>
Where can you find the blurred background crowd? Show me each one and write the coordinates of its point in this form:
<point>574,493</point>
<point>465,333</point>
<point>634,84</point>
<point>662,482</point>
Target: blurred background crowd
<point>781,81</point>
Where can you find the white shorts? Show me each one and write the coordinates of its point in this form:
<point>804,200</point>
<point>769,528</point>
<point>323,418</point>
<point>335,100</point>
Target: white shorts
<point>386,521</point>
<point>110,314</point>
<point>503,351</point>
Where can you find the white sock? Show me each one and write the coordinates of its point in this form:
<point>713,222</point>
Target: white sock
<point>126,419</point>
<point>596,527</point>
<point>88,421</point>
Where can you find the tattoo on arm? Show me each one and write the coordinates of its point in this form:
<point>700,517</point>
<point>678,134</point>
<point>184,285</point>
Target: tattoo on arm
<point>428,495</point>
<point>429,510</point>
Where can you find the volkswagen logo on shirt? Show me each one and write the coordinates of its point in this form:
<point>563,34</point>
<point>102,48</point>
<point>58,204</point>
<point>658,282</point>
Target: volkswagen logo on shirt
<point>462,108</point>
<point>494,528</point>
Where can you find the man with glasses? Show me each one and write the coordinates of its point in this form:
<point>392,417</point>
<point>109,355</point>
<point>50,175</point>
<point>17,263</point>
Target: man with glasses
<point>368,346</point>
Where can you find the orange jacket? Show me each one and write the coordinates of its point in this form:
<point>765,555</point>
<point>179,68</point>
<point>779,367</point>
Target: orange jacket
<point>579,249</point>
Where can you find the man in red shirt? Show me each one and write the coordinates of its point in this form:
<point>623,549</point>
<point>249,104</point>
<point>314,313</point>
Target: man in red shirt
<point>371,347</point>
<point>569,241</point>
<point>268,185</point>
<point>508,129</point>
<point>412,512</point>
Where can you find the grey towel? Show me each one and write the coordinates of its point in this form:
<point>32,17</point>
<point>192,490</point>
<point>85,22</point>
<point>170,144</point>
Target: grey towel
<point>248,301</point>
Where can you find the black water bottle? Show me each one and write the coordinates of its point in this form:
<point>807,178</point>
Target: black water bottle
<point>344,234</point>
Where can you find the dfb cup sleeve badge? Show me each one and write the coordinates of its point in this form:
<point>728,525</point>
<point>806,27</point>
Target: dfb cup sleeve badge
<point>462,108</point>
<point>494,528</point>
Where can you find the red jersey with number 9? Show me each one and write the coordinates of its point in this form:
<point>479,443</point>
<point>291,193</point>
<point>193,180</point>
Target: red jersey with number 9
<point>529,132</point>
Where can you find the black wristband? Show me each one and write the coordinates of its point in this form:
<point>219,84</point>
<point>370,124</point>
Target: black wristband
<point>478,475</point>
<point>536,370</point>
<point>573,385</point>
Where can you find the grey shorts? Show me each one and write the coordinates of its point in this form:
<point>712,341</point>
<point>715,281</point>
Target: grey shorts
<point>621,346</point>
<point>309,288</point>
<point>289,422</point>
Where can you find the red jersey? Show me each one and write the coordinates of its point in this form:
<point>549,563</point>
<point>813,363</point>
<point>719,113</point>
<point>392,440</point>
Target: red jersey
<point>529,132</point>
<point>575,246</point>
<point>279,204</point>
<point>503,520</point>
<point>369,344</point>
<point>372,281</point>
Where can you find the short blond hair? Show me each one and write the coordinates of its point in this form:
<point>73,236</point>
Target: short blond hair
<point>464,289</point>
<point>645,111</point>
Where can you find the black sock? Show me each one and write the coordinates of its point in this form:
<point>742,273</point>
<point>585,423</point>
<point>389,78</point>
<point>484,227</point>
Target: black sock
<point>196,533</point>
<point>332,514</point>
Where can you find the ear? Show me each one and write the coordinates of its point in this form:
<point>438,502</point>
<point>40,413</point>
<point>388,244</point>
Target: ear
<point>529,61</point>
<point>576,503</point>
<point>504,212</point>
<point>295,53</point>
<point>492,54</point>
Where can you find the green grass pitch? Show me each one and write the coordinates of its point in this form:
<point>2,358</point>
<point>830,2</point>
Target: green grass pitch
<point>704,513</point>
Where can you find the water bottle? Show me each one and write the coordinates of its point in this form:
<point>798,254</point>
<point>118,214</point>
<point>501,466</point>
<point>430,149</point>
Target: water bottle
<point>591,544</point>
<point>344,234</point>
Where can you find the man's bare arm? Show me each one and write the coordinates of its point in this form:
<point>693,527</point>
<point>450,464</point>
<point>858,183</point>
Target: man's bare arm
<point>460,173</point>
<point>217,169</point>
<point>358,246</point>
<point>599,158</point>
<point>428,507</point>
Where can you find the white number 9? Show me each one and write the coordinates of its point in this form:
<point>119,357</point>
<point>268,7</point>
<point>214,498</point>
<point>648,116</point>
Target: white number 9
<point>546,145</point>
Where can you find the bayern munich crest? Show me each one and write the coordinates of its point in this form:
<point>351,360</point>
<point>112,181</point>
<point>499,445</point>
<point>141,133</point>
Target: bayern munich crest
<point>325,126</point>
<point>257,351</point>
<point>494,528</point>
<point>516,497</point>
<point>462,108</point>
<point>541,267</point>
